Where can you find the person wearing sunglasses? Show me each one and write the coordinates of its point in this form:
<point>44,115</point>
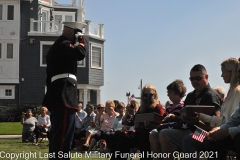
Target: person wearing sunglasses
<point>106,121</point>
<point>203,94</point>
<point>140,139</point>
<point>229,68</point>
<point>96,125</point>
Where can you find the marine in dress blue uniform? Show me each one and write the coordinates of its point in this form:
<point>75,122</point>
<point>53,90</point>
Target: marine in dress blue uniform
<point>61,97</point>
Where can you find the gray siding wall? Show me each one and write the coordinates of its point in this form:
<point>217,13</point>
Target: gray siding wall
<point>33,86</point>
<point>32,89</point>
<point>11,102</point>
<point>96,76</point>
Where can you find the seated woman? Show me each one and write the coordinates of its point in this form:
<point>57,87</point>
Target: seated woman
<point>107,121</point>
<point>117,125</point>
<point>43,124</point>
<point>92,130</point>
<point>140,140</point>
<point>175,91</point>
<point>122,141</point>
<point>28,123</point>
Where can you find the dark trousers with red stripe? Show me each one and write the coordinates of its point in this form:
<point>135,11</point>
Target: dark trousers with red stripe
<point>62,132</point>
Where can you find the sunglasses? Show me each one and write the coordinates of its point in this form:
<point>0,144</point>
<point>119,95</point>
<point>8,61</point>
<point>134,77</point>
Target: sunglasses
<point>148,95</point>
<point>197,78</point>
<point>100,107</point>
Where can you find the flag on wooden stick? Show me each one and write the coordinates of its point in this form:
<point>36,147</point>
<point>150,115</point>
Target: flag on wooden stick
<point>199,134</point>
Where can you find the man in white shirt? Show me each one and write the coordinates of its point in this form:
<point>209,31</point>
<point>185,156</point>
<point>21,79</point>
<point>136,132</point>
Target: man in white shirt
<point>80,115</point>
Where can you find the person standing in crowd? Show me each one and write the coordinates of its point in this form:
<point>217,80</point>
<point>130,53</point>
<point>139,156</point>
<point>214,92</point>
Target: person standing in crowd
<point>61,98</point>
<point>28,122</point>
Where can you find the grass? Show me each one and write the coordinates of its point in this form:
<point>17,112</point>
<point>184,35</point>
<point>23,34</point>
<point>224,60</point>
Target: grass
<point>10,128</point>
<point>14,147</point>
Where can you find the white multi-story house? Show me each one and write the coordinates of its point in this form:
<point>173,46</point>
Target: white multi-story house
<point>27,30</point>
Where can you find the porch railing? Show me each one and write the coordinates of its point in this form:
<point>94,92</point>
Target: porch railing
<point>55,27</point>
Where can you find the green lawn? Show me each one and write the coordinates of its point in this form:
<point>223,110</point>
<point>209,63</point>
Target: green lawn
<point>10,128</point>
<point>29,151</point>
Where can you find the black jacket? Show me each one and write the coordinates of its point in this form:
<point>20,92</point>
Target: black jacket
<point>62,58</point>
<point>208,96</point>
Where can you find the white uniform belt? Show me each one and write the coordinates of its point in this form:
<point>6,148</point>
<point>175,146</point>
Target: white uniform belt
<point>64,75</point>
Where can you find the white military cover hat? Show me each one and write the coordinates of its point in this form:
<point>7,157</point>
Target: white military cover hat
<point>75,25</point>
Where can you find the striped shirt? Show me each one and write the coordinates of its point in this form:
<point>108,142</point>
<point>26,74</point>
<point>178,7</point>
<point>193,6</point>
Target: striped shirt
<point>175,110</point>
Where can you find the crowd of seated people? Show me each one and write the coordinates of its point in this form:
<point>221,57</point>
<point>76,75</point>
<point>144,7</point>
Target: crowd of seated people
<point>117,127</point>
<point>169,137</point>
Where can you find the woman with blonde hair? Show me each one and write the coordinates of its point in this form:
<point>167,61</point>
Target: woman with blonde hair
<point>149,98</point>
<point>140,139</point>
<point>106,121</point>
<point>42,125</point>
<point>230,74</point>
<point>229,69</point>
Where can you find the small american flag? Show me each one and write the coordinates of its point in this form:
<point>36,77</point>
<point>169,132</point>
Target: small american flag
<point>199,135</point>
<point>131,98</point>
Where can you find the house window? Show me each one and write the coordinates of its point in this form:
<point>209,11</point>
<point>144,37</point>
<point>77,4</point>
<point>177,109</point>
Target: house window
<point>68,18</point>
<point>44,48</point>
<point>1,11</point>
<point>81,95</point>
<point>96,52</point>
<point>7,92</point>
<point>60,17</point>
<point>81,63</point>
<point>45,16</point>
<point>7,50</point>
<point>10,12</point>
<point>10,51</point>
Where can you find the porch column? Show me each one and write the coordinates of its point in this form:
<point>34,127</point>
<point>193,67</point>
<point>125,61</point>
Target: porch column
<point>98,96</point>
<point>85,100</point>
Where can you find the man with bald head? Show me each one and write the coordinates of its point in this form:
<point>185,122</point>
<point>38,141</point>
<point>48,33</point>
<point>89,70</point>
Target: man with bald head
<point>61,97</point>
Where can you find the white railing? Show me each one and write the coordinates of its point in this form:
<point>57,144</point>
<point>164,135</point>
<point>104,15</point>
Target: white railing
<point>55,27</point>
<point>45,26</point>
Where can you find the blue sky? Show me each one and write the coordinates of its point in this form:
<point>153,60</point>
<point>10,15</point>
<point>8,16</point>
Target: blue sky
<point>159,41</point>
